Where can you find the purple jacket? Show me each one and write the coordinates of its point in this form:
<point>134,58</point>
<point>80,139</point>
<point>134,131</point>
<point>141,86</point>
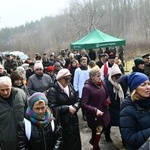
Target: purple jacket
<point>93,98</point>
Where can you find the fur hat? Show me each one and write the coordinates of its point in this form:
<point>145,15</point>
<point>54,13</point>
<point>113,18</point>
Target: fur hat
<point>138,61</point>
<point>38,65</point>
<point>115,70</point>
<point>63,73</point>
<point>35,97</point>
<point>135,79</point>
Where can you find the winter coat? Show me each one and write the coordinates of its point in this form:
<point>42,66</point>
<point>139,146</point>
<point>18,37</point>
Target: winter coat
<point>114,108</point>
<point>9,118</point>
<point>93,98</point>
<point>59,101</point>
<point>39,83</point>
<point>10,65</point>
<point>43,138</point>
<point>134,123</point>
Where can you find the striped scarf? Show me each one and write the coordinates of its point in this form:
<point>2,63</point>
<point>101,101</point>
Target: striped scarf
<point>36,119</point>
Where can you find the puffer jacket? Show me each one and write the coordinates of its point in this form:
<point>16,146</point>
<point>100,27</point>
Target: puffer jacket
<point>93,98</point>
<point>9,118</point>
<point>134,123</point>
<point>43,138</point>
<point>59,101</point>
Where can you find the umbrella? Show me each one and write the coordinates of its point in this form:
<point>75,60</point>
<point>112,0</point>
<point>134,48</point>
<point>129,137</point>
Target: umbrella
<point>97,137</point>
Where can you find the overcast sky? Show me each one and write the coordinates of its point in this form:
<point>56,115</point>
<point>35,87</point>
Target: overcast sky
<point>18,12</point>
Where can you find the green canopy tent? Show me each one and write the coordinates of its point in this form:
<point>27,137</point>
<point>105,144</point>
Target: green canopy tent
<point>97,39</point>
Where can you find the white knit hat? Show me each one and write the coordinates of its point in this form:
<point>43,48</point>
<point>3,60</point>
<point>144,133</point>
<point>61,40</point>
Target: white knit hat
<point>63,73</point>
<point>115,70</point>
<point>38,65</point>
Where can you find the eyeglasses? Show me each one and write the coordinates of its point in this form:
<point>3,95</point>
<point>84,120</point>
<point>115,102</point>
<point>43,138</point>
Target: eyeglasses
<point>67,79</point>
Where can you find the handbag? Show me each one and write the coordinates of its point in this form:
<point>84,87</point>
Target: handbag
<point>146,145</point>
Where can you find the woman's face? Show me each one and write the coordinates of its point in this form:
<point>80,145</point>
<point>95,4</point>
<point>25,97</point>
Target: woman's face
<point>141,66</point>
<point>18,82</point>
<point>65,81</point>
<point>39,108</point>
<point>96,78</point>
<point>74,64</point>
<point>144,89</point>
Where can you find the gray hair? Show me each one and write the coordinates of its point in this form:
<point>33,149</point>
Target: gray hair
<point>5,80</point>
<point>94,71</point>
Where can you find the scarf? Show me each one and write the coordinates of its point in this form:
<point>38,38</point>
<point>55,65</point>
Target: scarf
<point>117,89</point>
<point>145,103</point>
<point>83,67</point>
<point>36,119</point>
<point>65,89</point>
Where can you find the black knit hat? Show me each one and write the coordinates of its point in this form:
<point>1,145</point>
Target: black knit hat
<point>138,61</point>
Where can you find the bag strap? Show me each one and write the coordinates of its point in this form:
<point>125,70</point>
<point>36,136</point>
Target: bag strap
<point>27,128</point>
<point>53,125</point>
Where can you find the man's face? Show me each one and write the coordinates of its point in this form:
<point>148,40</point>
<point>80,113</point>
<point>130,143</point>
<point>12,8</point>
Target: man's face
<point>5,90</point>
<point>83,63</point>
<point>39,71</point>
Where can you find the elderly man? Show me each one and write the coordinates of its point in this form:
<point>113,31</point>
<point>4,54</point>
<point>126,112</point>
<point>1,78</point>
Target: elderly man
<point>39,82</point>
<point>12,108</point>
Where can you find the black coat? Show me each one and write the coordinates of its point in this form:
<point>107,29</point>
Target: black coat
<point>59,101</point>
<point>134,123</point>
<point>114,108</point>
<point>41,138</point>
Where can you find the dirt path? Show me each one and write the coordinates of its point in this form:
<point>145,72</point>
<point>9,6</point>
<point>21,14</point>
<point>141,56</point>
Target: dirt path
<point>86,135</point>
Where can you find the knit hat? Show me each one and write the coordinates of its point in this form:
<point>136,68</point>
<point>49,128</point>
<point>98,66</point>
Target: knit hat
<point>50,68</point>
<point>38,65</point>
<point>135,79</point>
<point>115,70</point>
<point>35,97</point>
<point>63,73</point>
<point>138,61</point>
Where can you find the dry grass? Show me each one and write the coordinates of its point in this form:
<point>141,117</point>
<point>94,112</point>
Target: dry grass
<point>128,66</point>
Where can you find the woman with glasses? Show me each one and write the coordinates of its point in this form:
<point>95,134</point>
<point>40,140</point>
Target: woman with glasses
<point>116,96</point>
<point>64,102</point>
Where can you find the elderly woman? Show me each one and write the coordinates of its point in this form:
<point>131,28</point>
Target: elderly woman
<point>39,131</point>
<point>95,100</point>
<point>135,114</point>
<point>64,101</point>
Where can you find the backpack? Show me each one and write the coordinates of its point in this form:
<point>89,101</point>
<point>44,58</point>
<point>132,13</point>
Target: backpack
<point>28,128</point>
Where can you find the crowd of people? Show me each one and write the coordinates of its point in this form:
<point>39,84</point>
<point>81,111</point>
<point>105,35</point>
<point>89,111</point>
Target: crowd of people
<point>40,99</point>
